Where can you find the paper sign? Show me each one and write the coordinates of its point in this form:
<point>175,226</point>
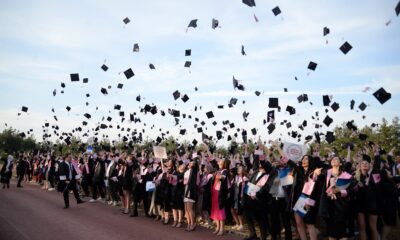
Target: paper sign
<point>160,152</point>
<point>150,186</point>
<point>294,151</point>
<point>251,189</point>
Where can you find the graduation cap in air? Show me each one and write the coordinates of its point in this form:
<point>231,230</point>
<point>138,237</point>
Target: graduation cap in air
<point>185,98</point>
<point>276,11</point>
<point>243,52</point>
<point>210,114</point>
<point>129,73</point>
<point>188,64</point>
<point>136,47</point>
<point>327,121</point>
<point>24,109</point>
<point>182,131</point>
<point>117,107</point>
<point>104,67</point>
<point>271,116</point>
<point>312,66</point>
<point>330,137</point>
<point>85,80</point>
<point>192,23</point>
<point>138,98</point>
<point>345,48</point>
<point>273,103</point>
<point>352,102</point>
<point>63,85</point>
<point>109,119</point>
<point>381,95</point>
<point>87,115</point>
<point>350,126</point>
<point>245,115</point>
<point>151,66</point>
<point>257,93</point>
<point>250,3</point>
<point>362,106</point>
<point>126,20</point>
<point>362,136</point>
<point>326,100</point>
<point>176,94</point>
<point>335,106</point>
<point>74,77</point>
<point>214,23</point>
<point>120,85</point>
<point>54,92</point>
<point>233,101</point>
<point>104,91</point>
<point>326,31</point>
<point>291,110</point>
<point>68,108</point>
<point>188,52</point>
<point>302,98</point>
<point>397,9</point>
<point>271,128</point>
<point>236,84</point>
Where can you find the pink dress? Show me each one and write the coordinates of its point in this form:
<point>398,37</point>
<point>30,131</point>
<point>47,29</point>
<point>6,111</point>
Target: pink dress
<point>216,213</point>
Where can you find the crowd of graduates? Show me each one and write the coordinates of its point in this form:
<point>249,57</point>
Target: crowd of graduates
<point>335,196</point>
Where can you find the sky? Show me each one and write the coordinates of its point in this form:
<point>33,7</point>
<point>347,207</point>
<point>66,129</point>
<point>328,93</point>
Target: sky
<point>43,42</point>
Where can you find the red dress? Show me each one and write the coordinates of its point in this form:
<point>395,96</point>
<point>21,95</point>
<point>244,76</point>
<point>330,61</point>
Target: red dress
<point>216,213</point>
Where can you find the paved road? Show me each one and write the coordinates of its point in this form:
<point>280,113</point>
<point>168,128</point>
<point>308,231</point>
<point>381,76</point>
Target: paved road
<point>32,213</point>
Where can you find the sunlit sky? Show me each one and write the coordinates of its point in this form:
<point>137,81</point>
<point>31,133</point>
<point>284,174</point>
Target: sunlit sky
<point>43,42</point>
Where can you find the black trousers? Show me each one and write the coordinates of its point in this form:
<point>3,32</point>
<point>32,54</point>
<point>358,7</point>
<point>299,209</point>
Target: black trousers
<point>86,183</point>
<point>98,188</point>
<point>261,217</point>
<point>113,190</point>
<point>20,178</point>
<point>68,187</point>
<point>140,194</point>
<point>280,217</point>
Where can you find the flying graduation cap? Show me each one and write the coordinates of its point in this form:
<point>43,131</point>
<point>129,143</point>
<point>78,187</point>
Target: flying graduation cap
<point>24,109</point>
<point>193,24</point>
<point>129,73</point>
<point>250,3</point>
<point>397,9</point>
<point>214,23</point>
<point>236,84</point>
<point>345,48</point>
<point>74,77</point>
<point>276,11</point>
<point>151,66</point>
<point>136,47</point>
<point>326,31</point>
<point>243,52</point>
<point>104,67</point>
<point>381,95</point>
<point>126,20</point>
<point>312,66</point>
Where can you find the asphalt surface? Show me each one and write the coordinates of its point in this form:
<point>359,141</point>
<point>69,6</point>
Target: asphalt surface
<point>33,213</point>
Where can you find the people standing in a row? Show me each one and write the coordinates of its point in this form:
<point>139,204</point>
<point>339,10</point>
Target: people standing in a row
<point>6,172</point>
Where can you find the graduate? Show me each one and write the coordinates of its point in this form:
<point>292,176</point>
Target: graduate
<point>68,179</point>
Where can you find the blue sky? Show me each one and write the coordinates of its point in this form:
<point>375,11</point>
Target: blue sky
<point>42,42</point>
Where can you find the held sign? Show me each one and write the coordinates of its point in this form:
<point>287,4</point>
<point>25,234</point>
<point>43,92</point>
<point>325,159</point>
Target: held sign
<point>294,151</point>
<point>160,152</point>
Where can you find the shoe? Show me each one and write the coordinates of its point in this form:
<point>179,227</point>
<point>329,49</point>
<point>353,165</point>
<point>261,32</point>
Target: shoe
<point>166,222</point>
<point>157,218</point>
<point>239,228</point>
<point>114,203</point>
<point>79,201</point>
<point>179,225</point>
<point>110,202</point>
<point>65,207</point>
<point>220,233</point>
<point>134,214</point>
<point>126,211</point>
<point>174,224</point>
<point>235,227</point>
<point>19,186</point>
<point>92,200</point>
<point>50,189</point>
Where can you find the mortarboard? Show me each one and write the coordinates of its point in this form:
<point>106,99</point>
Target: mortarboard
<point>22,135</point>
<point>138,98</point>
<point>63,85</point>
<point>121,114</point>
<point>326,31</point>
<point>68,141</point>
<point>381,95</point>
<point>397,9</point>
<point>210,114</point>
<point>250,3</point>
<point>182,131</point>
<point>129,73</point>
<point>273,103</point>
<point>151,66</point>
<point>188,64</point>
<point>68,108</point>
<point>85,80</point>
<point>214,23</point>
<point>176,94</point>
<point>351,126</point>
<point>236,84</point>
<point>362,106</point>
<point>117,107</point>
<point>120,85</point>
<point>199,129</point>
<point>243,52</point>
<point>271,128</point>
<point>328,121</point>
<point>271,116</point>
<point>103,126</point>
<point>233,101</point>
<point>193,23</point>
<point>362,136</point>
<point>136,47</point>
<point>288,125</point>
<point>74,77</point>
<point>326,100</point>
<point>109,119</point>
<point>245,115</point>
<point>87,115</point>
<point>188,52</point>
<point>24,109</point>
<point>257,93</point>
<point>104,91</point>
<point>291,110</point>
<point>126,20</point>
<point>104,67</point>
<point>330,137</point>
<point>276,11</point>
<point>345,48</point>
<point>312,66</point>
<point>352,102</point>
<point>219,135</point>
<point>54,92</point>
<point>335,106</point>
<point>185,98</point>
<point>220,106</point>
<point>254,131</point>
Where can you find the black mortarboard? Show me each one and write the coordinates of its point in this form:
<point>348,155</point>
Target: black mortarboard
<point>109,119</point>
<point>188,64</point>
<point>243,52</point>
<point>362,136</point>
<point>276,11</point>
<point>362,106</point>
<point>326,100</point>
<point>182,131</point>
<point>104,91</point>
<point>291,110</point>
<point>271,116</point>
<point>312,66</point>
<point>176,94</point>
<point>63,85</point>
<point>54,92</point>
<point>104,67</point>
<point>138,98</point>
<point>335,106</point>
<point>271,128</point>
<point>254,131</point>
<point>24,109</point>
<point>85,80</point>
<point>257,93</point>
<point>120,85</point>
<point>273,103</point>
<point>397,9</point>
<point>233,101</point>
<point>103,126</point>
<point>117,107</point>
<point>185,98</point>
<point>350,126</point>
<point>136,47</point>
<point>68,108</point>
<point>245,115</point>
<point>219,135</point>
<point>345,48</point>
<point>68,141</point>
<point>210,114</point>
<point>231,125</point>
<point>330,137</point>
<point>129,73</point>
<point>236,84</point>
<point>250,3</point>
<point>87,115</point>
<point>352,102</point>
<point>84,123</point>
<point>381,93</point>
<point>22,135</point>
<point>126,20</point>
<point>328,121</point>
<point>153,110</point>
<point>326,31</point>
<point>74,77</point>
<point>188,52</point>
<point>288,125</point>
<point>214,23</point>
<point>151,66</point>
<point>121,114</point>
<point>193,23</point>
<point>220,106</point>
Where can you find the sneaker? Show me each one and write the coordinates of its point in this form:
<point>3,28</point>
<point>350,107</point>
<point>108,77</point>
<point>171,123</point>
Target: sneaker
<point>235,227</point>
<point>114,203</point>
<point>99,198</point>
<point>92,200</point>
<point>239,228</point>
<point>51,189</point>
<point>110,202</point>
